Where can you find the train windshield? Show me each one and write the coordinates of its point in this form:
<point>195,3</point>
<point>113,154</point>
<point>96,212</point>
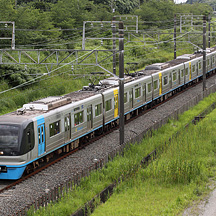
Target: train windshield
<point>9,135</point>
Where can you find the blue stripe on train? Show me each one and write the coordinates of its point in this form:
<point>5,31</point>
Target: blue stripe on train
<point>13,173</point>
<point>40,120</point>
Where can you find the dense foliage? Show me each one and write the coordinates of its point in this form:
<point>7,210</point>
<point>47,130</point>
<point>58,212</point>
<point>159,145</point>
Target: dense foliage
<point>57,24</point>
<point>38,22</point>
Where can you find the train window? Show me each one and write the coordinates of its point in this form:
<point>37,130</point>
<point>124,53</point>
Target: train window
<point>174,76</point>
<point>208,62</point>
<point>78,118</point>
<point>138,92</point>
<point>125,97</point>
<point>213,59</point>
<point>165,80</point>
<point>182,72</point>
<point>155,84</point>
<point>200,66</point>
<point>108,105</point>
<point>193,68</point>
<point>98,109</point>
<point>186,71</point>
<point>149,87</point>
<point>54,128</point>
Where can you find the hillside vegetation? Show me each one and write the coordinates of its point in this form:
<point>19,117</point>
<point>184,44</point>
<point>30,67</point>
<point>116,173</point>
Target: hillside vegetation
<point>57,24</point>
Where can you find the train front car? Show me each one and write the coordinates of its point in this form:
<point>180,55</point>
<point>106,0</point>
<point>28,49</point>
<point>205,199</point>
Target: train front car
<point>16,143</point>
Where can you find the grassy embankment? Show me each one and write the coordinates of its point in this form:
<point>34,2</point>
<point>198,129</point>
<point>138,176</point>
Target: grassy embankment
<point>166,186</point>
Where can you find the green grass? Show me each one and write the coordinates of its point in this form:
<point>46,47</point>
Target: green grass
<point>169,184</point>
<point>162,175</point>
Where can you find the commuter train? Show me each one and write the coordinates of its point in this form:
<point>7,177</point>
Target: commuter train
<point>42,129</point>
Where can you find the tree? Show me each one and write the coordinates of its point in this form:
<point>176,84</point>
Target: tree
<point>121,6</point>
<point>156,10</point>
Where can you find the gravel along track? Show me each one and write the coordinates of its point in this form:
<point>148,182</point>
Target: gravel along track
<point>17,198</point>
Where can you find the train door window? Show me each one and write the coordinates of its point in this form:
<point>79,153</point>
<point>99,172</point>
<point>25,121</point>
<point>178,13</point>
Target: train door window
<point>182,72</point>
<point>213,59</point>
<point>138,92</point>
<point>78,118</point>
<point>143,89</point>
<point>165,80</point>
<point>186,71</point>
<point>39,134</point>
<point>42,134</point>
<point>108,105</point>
<point>98,109</point>
<point>149,86</point>
<point>54,128</point>
<point>155,84</point>
<point>193,68</point>
<point>200,66</point>
<point>89,113</point>
<point>208,62</point>
<point>67,123</point>
<point>125,97</point>
<point>174,76</point>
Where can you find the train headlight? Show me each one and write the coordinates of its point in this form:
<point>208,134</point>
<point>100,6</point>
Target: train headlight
<point>3,169</point>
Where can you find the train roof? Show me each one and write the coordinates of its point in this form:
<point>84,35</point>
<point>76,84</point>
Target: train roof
<point>44,105</point>
<point>11,119</point>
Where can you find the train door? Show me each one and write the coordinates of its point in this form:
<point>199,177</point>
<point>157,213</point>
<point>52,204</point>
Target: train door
<point>67,127</point>
<point>41,139</point>
<point>189,70</point>
<point>144,93</point>
<point>131,98</point>
<point>160,83</point>
<point>170,80</point>
<point>89,117</point>
<point>115,103</point>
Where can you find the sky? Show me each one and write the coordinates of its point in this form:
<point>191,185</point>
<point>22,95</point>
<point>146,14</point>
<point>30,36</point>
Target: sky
<point>180,1</point>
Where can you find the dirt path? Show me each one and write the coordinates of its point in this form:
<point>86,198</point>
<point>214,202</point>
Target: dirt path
<point>206,207</point>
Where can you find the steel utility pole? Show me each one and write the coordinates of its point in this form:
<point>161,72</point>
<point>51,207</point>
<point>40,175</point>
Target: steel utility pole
<point>114,44</point>
<point>204,53</point>
<point>13,33</point>
<point>121,82</point>
<point>209,28</point>
<point>175,36</point>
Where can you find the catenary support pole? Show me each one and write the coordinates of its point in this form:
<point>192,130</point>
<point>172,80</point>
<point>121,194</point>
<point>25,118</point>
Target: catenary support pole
<point>13,36</point>
<point>114,44</point>
<point>121,82</point>
<point>83,40</point>
<point>204,53</point>
<point>209,30</point>
<point>175,36</point>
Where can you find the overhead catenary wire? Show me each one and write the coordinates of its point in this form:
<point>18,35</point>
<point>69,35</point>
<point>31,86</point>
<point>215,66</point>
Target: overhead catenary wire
<point>29,82</point>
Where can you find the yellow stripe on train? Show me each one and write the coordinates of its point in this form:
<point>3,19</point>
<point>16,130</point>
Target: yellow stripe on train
<point>190,70</point>
<point>160,83</point>
<point>115,91</point>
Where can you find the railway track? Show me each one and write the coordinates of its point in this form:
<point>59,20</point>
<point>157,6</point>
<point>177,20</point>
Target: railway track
<point>33,186</point>
<point>7,185</point>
